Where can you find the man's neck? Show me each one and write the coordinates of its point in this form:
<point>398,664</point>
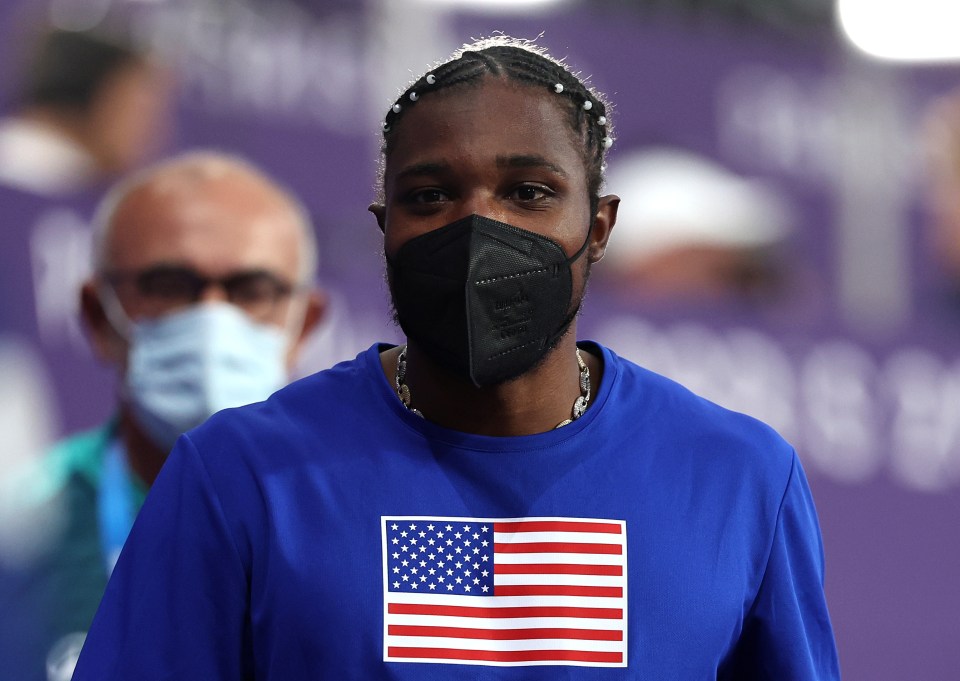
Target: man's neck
<point>533,403</point>
<point>144,458</point>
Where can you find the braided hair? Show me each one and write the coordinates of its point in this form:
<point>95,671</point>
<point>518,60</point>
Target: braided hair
<point>522,62</point>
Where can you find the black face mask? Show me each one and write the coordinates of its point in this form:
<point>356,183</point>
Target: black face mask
<point>483,298</point>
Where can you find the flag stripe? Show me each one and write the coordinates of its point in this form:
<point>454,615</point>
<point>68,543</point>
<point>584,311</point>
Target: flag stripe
<point>557,569</point>
<point>586,580</point>
<point>556,526</point>
<point>506,655</point>
<point>504,623</point>
<point>557,547</point>
<point>557,590</point>
<point>504,644</point>
<point>561,558</point>
<point>490,601</point>
<point>577,537</point>
<point>506,634</point>
<point>531,611</point>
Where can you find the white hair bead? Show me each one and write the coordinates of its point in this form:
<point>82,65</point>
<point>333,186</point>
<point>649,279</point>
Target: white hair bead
<point>431,79</point>
<point>558,88</point>
<point>396,108</point>
<point>607,142</point>
<point>587,105</point>
<point>414,96</point>
<point>602,120</point>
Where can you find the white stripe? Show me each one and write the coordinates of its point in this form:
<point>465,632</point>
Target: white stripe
<point>486,663</point>
<point>566,537</point>
<point>486,644</point>
<point>507,601</point>
<point>571,558</point>
<point>506,622</point>
<point>575,580</point>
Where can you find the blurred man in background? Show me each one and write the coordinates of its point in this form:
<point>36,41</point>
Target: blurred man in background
<point>201,297</point>
<point>89,108</point>
<point>942,146</point>
<point>694,231</point>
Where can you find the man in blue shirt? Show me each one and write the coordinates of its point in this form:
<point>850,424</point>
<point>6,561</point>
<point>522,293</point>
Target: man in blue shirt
<point>492,499</point>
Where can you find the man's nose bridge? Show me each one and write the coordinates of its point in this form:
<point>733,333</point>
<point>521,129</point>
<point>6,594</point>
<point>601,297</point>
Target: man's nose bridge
<point>485,204</point>
<point>213,291</point>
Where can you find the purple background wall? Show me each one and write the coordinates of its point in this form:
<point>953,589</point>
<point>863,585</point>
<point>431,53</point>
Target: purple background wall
<point>859,367</point>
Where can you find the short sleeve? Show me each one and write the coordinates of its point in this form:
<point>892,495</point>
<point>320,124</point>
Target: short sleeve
<point>176,604</point>
<point>787,635</point>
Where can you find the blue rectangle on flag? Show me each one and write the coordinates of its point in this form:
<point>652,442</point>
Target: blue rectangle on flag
<point>425,556</point>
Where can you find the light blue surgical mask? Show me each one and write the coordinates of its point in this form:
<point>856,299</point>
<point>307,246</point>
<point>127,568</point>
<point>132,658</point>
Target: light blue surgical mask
<point>185,366</point>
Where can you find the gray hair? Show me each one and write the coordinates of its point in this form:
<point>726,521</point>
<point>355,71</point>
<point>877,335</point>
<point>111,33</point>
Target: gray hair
<point>211,164</point>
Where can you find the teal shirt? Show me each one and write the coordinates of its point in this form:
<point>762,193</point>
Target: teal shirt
<point>58,591</point>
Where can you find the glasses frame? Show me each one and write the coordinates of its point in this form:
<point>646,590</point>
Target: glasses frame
<point>194,286</point>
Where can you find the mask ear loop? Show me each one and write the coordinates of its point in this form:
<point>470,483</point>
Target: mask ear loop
<point>572,259</point>
<point>119,320</point>
<point>113,309</point>
<point>586,242</point>
<point>296,314</point>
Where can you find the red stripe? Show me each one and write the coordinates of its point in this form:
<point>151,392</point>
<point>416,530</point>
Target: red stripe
<point>557,590</point>
<point>505,634</point>
<point>557,547</point>
<point>528,611</point>
<point>557,569</point>
<point>557,526</point>
<point>507,655</point>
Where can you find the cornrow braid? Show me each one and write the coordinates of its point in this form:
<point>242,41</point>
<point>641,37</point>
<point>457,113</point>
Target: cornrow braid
<point>525,63</point>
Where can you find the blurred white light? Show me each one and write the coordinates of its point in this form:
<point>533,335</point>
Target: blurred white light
<point>903,30</point>
<point>500,6</point>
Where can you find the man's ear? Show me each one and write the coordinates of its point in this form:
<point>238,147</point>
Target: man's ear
<point>380,211</point>
<point>603,222</point>
<point>317,304</point>
<point>107,343</point>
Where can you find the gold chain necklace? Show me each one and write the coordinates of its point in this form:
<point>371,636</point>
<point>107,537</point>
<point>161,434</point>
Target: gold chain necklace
<point>579,405</point>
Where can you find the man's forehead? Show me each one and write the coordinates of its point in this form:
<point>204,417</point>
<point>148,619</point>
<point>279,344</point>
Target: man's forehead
<point>211,188</point>
<point>210,181</point>
<point>216,219</point>
<point>487,120</point>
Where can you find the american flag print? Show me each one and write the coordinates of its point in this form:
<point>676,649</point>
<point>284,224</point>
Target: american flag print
<point>505,591</point>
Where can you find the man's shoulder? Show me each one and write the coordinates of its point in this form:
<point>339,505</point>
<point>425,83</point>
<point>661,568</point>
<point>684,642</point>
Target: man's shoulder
<point>676,413</point>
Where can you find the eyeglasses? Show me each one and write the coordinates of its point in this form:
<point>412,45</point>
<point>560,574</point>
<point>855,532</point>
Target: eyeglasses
<point>164,288</point>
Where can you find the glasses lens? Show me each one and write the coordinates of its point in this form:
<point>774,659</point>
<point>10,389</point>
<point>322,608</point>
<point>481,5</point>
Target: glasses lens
<point>172,285</point>
<point>255,291</point>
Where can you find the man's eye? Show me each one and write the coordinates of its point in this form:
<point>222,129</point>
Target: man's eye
<point>428,196</point>
<point>529,192</point>
<point>170,284</point>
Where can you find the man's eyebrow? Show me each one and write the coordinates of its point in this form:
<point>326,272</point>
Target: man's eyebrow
<point>426,168</point>
<point>514,161</point>
<point>529,161</point>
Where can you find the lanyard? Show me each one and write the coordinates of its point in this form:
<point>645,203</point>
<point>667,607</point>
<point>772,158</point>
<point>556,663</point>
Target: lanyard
<point>115,506</point>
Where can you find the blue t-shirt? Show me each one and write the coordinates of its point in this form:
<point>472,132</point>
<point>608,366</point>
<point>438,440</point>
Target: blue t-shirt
<point>329,533</point>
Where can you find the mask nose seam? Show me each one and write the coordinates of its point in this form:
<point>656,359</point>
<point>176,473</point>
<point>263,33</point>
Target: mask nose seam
<point>492,280</point>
